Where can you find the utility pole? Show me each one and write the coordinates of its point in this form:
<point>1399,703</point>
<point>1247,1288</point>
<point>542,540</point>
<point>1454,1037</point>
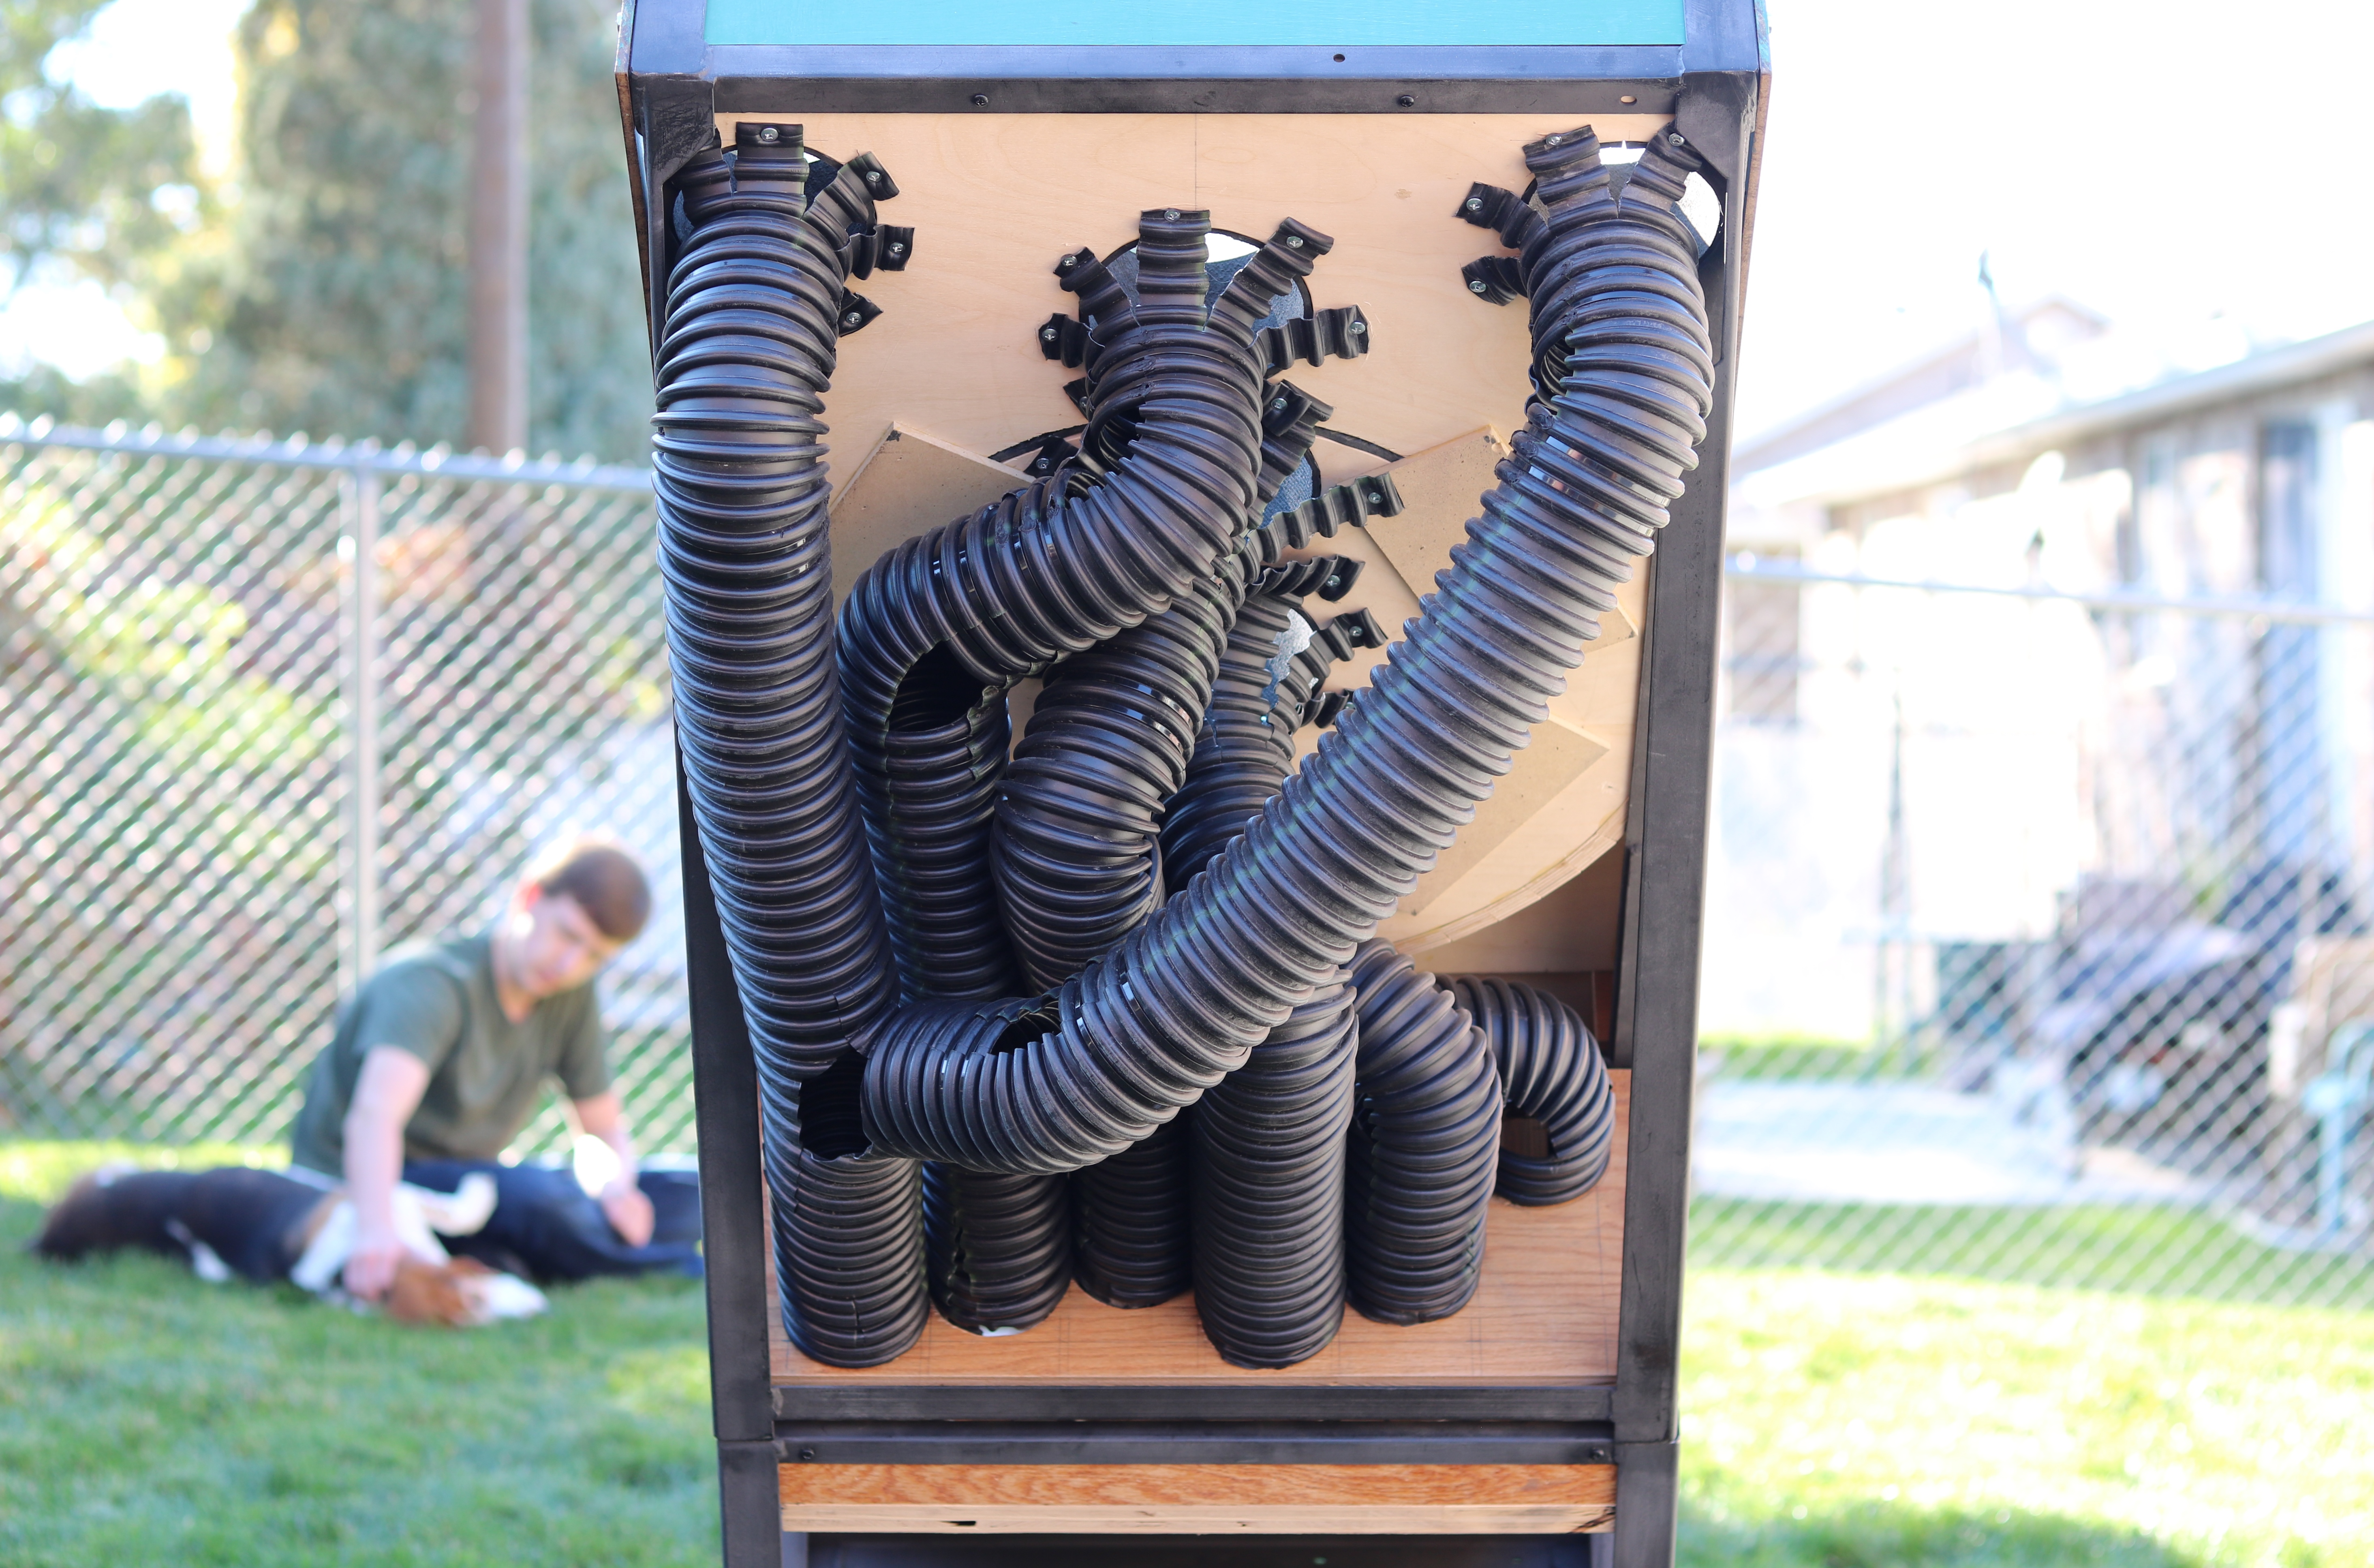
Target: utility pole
<point>499,230</point>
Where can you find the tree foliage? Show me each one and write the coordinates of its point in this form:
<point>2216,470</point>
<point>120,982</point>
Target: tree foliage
<point>87,192</point>
<point>98,190</point>
<point>336,301</point>
<point>328,291</point>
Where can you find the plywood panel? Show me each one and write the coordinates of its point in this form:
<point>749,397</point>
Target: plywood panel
<point>994,199</point>
<point>908,485</point>
<point>1198,1498</point>
<point>1543,1313</point>
<point>1572,929</point>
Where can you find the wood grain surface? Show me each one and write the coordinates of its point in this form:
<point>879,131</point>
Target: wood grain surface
<point>1281,1499</point>
<point>1543,1313</point>
<point>996,199</point>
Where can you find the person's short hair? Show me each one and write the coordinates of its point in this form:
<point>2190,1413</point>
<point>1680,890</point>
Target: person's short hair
<point>597,872</point>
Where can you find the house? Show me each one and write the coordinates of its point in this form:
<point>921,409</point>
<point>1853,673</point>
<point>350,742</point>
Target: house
<point>2143,718</point>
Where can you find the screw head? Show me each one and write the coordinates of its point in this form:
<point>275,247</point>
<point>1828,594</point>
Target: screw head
<point>1047,334</point>
<point>896,249</point>
<point>1476,286</point>
<point>1405,100</point>
<point>1072,260</point>
<point>1552,141</point>
<point>980,101</point>
<point>1358,329</point>
<point>768,134</point>
<point>873,176</point>
<point>1476,204</point>
<point>1333,580</point>
<point>807,1453</point>
<point>1675,138</point>
<point>851,318</point>
<point>1294,241</point>
<point>1169,212</point>
<point>1278,406</point>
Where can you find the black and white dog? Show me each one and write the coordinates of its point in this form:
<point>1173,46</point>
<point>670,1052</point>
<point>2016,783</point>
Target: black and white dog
<point>269,1225</point>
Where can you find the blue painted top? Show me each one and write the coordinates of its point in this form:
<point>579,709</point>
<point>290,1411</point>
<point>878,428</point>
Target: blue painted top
<point>1337,24</point>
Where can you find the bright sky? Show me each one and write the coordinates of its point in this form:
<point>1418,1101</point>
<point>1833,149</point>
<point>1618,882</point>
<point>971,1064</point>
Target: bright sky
<point>134,50</point>
<point>2160,162</point>
<point>2156,162</point>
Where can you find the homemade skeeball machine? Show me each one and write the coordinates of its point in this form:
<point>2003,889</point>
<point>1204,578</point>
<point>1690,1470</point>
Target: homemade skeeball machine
<point>1065,1066</point>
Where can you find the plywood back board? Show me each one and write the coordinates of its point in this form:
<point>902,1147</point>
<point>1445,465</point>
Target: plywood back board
<point>994,200</point>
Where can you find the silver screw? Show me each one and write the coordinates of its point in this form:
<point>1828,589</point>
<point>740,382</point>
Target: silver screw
<point>1476,204</point>
<point>1331,582</point>
<point>851,318</point>
<point>1072,260</point>
<point>1169,212</point>
<point>1358,329</point>
<point>896,249</point>
<point>1476,286</point>
<point>1294,241</point>
<point>1552,141</point>
<point>873,176</point>
<point>768,134</point>
<point>1047,333</point>
<point>1278,406</point>
<point>1675,138</point>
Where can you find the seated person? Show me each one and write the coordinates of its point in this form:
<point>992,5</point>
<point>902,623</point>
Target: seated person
<point>442,1058</point>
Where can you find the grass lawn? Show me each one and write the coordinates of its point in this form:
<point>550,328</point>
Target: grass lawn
<point>148,1418</point>
<point>1869,1385</point>
<point>1854,1416</point>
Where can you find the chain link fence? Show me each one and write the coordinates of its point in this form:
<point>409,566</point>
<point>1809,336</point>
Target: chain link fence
<point>2040,936</point>
<point>269,708</point>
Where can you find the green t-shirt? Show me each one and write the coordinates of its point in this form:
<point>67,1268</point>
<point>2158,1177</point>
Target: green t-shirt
<point>486,1073</point>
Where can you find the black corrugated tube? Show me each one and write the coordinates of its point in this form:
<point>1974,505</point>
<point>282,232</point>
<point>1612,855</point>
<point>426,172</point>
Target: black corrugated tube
<point>1245,962</point>
<point>1426,1125</point>
<point>1560,1127</point>
<point>757,299</point>
<point>1269,674</point>
<point>1268,1189</point>
<point>1623,390</point>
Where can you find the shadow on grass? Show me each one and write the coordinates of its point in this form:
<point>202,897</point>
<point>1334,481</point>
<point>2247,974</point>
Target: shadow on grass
<point>1899,1535</point>
<point>2139,1250</point>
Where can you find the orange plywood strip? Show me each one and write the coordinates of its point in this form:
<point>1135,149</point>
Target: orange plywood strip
<point>1281,1499</point>
<point>1543,1313</point>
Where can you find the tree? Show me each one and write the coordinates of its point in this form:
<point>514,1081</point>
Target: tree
<point>104,194</point>
<point>335,299</point>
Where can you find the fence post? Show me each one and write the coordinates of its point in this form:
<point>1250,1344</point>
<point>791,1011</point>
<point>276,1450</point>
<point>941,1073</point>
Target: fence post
<point>359,950</point>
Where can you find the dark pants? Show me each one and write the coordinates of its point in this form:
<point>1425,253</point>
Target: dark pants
<point>545,1227</point>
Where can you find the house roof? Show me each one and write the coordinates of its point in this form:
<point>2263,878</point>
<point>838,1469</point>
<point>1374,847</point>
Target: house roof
<point>2017,416</point>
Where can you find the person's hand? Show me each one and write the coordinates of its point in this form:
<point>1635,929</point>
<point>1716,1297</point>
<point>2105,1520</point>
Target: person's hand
<point>371,1267</point>
<point>629,1211</point>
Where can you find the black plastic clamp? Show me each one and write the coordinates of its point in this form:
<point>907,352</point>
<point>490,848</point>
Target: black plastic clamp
<point>1503,211</point>
<point>1063,338</point>
<point>1341,333</point>
<point>877,179</point>
<point>1495,281</point>
<point>856,311</point>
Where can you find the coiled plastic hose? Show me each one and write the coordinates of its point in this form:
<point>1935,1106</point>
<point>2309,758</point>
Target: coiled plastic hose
<point>1426,1127</point>
<point>1269,671</point>
<point>1623,391</point>
<point>1622,371</point>
<point>1129,1240</point>
<point>999,1247</point>
<point>757,299</point>
<point>1269,1188</point>
<point>1556,1085</point>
